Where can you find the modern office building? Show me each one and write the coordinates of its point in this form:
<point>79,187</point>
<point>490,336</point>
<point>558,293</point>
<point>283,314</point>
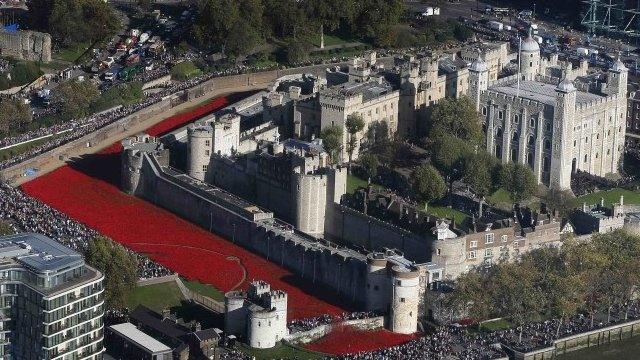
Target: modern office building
<point>51,302</point>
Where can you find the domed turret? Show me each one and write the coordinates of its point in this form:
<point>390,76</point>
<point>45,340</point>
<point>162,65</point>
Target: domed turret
<point>618,66</point>
<point>530,44</point>
<point>529,57</point>
<point>566,85</point>
<point>479,65</point>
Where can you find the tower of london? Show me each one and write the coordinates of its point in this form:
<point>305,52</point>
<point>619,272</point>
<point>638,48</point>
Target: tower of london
<point>555,125</point>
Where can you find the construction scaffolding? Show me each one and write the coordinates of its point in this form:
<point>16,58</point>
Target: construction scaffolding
<point>617,17</point>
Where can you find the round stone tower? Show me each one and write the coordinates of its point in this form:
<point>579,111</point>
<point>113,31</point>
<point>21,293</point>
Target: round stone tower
<point>234,313</point>
<point>200,138</point>
<point>403,316</point>
<point>378,287</point>
<point>529,57</point>
<point>131,166</point>
<point>262,331</point>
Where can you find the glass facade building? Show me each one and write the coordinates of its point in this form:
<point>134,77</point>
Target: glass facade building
<point>51,302</point>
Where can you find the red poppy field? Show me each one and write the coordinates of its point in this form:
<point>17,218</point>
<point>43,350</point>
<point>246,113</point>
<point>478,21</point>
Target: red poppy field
<point>349,340</point>
<point>87,190</point>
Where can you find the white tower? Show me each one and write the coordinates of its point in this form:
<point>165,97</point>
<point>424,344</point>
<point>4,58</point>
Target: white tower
<point>478,80</point>
<point>562,161</point>
<point>617,83</point>
<point>529,57</point>
<point>404,301</point>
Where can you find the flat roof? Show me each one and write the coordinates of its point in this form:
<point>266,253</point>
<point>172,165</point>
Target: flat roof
<point>38,252</point>
<point>540,92</point>
<point>131,333</point>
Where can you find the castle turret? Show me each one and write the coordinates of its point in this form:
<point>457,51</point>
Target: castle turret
<point>405,300</point>
<point>478,80</point>
<point>234,313</point>
<point>378,287</point>
<point>199,149</point>
<point>529,57</point>
<point>562,154</point>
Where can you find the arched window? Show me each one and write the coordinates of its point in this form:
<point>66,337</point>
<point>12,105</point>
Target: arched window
<point>532,122</point>
<point>484,110</point>
<point>515,136</point>
<point>547,144</point>
<point>532,140</point>
<point>499,133</point>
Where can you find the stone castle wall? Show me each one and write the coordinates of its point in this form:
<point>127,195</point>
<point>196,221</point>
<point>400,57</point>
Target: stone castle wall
<point>353,227</point>
<point>317,263</point>
<point>26,45</point>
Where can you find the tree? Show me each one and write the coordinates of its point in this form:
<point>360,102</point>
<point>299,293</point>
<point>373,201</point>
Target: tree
<point>14,114</point>
<point>427,183</point>
<point>476,172</point>
<point>215,20</point>
<point>119,268</point>
<point>75,21</point>
<point>354,124</point>
<point>561,200</point>
<point>457,118</point>
<point>76,97</point>
<point>370,164</point>
<point>332,141</point>
<point>297,51</point>
<point>5,228</point>
<point>518,181</point>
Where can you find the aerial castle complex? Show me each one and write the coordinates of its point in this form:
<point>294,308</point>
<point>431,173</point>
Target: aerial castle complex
<point>257,173</point>
<point>554,125</point>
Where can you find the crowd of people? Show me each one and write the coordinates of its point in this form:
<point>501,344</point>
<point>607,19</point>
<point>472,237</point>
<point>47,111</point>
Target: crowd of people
<point>77,128</point>
<point>26,214</point>
<point>310,323</point>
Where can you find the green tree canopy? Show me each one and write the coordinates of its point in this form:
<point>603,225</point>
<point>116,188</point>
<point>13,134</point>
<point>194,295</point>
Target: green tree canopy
<point>427,183</point>
<point>119,268</point>
<point>518,180</point>
<point>14,114</point>
<point>457,118</point>
<point>332,142</point>
<point>354,124</point>
<point>76,97</point>
<point>370,164</point>
<point>76,21</point>
<point>476,172</point>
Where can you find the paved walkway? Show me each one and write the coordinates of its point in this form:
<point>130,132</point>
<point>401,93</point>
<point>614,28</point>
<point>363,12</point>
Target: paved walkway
<point>55,163</point>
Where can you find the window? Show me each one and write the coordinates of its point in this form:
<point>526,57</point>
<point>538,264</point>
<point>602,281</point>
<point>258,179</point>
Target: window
<point>207,142</point>
<point>488,238</point>
<point>402,300</point>
<point>472,254</point>
<point>500,115</point>
<point>488,252</point>
<point>207,153</point>
<point>532,122</point>
<point>504,238</point>
<point>473,244</point>
<point>438,251</point>
<point>515,243</point>
<point>205,167</point>
<point>484,110</point>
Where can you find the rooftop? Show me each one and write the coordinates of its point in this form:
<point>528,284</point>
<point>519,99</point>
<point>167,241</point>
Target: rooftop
<point>38,252</point>
<point>130,332</point>
<point>540,92</point>
<point>369,90</point>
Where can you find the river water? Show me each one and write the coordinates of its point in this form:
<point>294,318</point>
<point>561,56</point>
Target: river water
<point>628,349</point>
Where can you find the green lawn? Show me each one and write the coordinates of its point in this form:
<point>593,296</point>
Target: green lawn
<point>330,40</point>
<point>447,212</point>
<point>354,183</point>
<point>156,297</point>
<point>185,70</point>
<point>494,325</point>
<point>72,53</point>
<point>611,197</point>
<point>501,196</point>
<point>280,351</point>
<point>204,289</point>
